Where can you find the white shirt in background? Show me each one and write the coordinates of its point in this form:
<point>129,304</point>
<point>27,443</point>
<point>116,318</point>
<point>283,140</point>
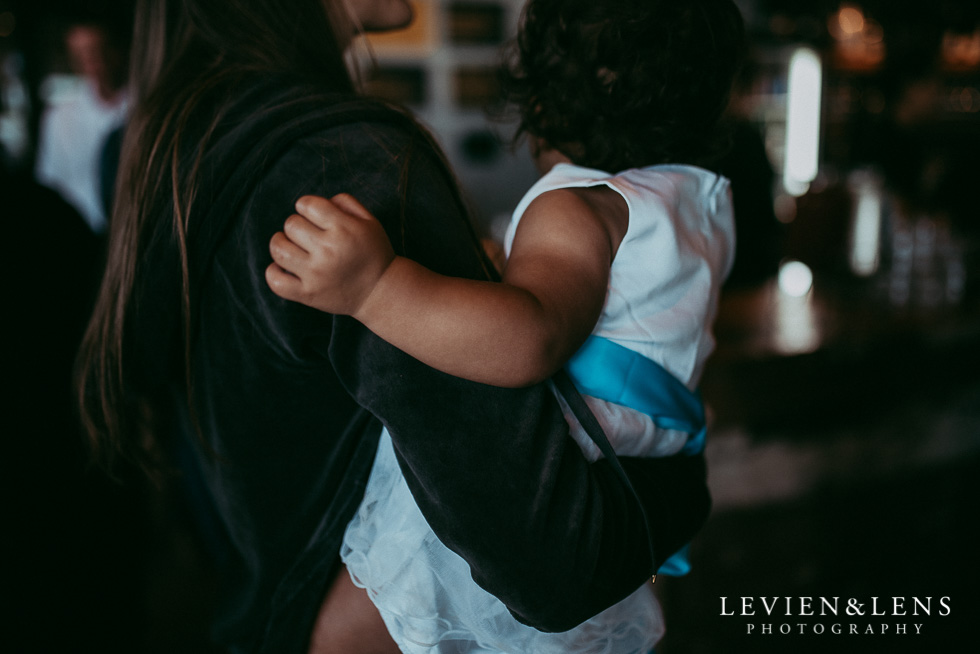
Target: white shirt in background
<point>73,133</point>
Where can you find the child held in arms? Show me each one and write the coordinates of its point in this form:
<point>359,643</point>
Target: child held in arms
<point>615,261</point>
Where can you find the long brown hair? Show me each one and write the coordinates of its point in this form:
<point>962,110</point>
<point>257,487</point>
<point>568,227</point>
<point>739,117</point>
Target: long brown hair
<point>191,57</point>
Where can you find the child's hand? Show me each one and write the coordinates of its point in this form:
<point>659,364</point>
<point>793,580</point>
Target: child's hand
<point>330,255</point>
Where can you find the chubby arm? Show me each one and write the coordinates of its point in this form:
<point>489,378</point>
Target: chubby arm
<point>335,256</point>
<point>557,539</point>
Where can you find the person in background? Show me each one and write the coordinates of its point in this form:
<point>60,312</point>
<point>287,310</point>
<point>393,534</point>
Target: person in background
<point>73,132</point>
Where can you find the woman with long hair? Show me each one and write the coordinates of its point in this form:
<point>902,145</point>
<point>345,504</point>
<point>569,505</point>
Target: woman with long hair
<point>242,107</point>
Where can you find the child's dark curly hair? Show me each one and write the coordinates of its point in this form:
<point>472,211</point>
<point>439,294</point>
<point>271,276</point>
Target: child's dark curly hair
<point>616,84</point>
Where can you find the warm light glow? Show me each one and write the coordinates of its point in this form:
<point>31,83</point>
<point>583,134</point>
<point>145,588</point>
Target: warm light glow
<point>795,278</point>
<point>961,51</point>
<point>847,22</point>
<point>802,121</point>
<point>850,19</point>
<point>873,33</point>
<point>860,41</point>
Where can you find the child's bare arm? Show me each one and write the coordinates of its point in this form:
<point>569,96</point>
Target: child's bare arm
<point>335,257</point>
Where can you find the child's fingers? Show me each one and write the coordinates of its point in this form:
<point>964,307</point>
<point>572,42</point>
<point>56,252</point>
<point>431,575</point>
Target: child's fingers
<point>282,283</point>
<point>349,203</point>
<point>302,232</point>
<point>286,253</point>
<point>319,211</point>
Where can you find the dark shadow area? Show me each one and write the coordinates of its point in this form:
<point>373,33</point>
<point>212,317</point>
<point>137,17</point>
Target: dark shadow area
<point>849,473</point>
<point>905,537</point>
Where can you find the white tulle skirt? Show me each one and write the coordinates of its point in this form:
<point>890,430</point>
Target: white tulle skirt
<point>431,604</point>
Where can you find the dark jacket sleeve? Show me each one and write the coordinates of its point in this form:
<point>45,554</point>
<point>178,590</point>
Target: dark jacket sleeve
<point>501,483</point>
<point>494,470</point>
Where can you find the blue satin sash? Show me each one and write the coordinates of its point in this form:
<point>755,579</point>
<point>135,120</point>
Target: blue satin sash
<point>608,371</point>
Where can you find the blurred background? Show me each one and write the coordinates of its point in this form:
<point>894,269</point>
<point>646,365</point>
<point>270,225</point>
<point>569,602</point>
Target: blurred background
<point>844,394</point>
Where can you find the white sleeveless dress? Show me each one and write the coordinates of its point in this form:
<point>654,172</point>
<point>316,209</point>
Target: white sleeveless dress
<point>663,295</point>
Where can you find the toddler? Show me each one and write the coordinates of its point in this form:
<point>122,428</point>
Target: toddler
<point>615,261</point>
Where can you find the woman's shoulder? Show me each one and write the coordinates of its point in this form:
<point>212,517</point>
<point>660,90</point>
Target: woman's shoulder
<point>360,134</point>
<point>281,111</point>
<point>282,129</point>
<point>367,134</point>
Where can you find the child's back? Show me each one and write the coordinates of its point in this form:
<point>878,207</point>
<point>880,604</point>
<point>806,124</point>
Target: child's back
<point>663,291</point>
